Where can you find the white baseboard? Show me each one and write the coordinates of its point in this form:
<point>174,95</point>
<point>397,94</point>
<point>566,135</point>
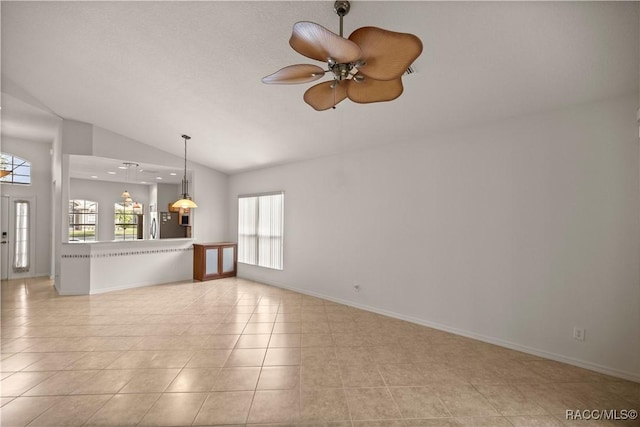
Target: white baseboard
<point>631,376</point>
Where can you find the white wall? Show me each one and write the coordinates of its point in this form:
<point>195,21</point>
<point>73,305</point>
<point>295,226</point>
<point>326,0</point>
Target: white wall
<point>77,137</point>
<point>113,145</point>
<point>514,232</point>
<point>108,266</point>
<point>56,205</point>
<point>167,193</point>
<point>38,154</point>
<point>210,191</point>
<point>107,194</point>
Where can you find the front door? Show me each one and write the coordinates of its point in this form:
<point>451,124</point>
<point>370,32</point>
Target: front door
<point>18,237</point>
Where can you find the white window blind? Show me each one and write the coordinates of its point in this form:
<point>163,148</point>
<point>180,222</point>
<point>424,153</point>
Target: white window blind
<point>247,230</point>
<point>260,230</point>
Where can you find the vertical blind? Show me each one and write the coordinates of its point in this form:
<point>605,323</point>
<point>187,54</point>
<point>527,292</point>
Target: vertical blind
<point>21,254</point>
<point>247,226</point>
<point>260,230</point>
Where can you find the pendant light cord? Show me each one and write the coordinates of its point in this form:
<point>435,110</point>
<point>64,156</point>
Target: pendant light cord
<point>184,177</point>
<point>185,190</point>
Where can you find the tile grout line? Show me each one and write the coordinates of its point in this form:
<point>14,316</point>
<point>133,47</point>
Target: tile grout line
<point>97,409</point>
<point>346,400</point>
<point>253,396</point>
<point>386,386</point>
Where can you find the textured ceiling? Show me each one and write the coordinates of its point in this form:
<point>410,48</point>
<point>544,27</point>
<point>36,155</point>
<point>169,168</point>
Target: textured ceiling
<point>155,70</point>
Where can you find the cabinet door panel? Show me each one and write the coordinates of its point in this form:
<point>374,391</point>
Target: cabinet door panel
<point>227,259</point>
<point>211,261</point>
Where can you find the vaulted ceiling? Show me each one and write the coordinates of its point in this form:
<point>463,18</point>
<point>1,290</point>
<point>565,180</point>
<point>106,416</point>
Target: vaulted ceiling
<point>155,70</point>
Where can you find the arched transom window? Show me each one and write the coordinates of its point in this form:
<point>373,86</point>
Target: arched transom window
<point>14,170</point>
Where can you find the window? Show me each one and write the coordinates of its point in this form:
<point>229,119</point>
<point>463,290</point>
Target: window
<point>83,215</point>
<point>21,254</point>
<point>14,170</point>
<point>260,228</point>
<point>126,220</point>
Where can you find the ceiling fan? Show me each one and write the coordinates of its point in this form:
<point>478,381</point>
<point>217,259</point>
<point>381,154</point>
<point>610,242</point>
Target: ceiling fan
<point>366,67</point>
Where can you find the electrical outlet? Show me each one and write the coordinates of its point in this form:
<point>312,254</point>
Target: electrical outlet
<point>578,334</point>
<point>356,288</point>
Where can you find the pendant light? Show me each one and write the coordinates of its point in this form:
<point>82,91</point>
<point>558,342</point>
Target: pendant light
<point>185,202</point>
<point>125,194</point>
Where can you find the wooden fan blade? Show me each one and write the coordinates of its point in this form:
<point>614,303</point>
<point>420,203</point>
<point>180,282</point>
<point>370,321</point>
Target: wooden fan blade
<point>372,90</point>
<point>300,73</point>
<point>387,54</point>
<point>316,42</point>
<point>322,96</point>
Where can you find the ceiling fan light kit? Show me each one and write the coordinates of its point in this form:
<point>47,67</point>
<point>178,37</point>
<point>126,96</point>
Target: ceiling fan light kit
<point>367,67</point>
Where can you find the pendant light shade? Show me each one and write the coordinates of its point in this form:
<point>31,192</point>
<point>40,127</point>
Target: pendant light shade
<point>185,202</point>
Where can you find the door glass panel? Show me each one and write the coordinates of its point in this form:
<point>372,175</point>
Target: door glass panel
<point>212,261</point>
<point>21,254</point>
<point>227,260</point>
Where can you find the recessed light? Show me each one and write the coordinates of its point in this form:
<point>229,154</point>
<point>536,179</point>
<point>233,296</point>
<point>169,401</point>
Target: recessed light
<point>94,177</point>
<point>122,167</point>
<point>158,177</point>
<point>173,174</point>
<point>143,182</point>
<point>111,173</point>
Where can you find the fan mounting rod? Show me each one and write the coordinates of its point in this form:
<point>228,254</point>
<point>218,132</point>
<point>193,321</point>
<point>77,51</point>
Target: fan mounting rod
<point>339,70</point>
<point>341,7</point>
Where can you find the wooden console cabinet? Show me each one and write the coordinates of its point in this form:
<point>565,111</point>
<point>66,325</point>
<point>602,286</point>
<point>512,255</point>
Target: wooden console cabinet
<point>214,260</point>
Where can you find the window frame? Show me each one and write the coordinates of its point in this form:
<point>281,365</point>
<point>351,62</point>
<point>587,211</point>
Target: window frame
<point>256,235</point>
<point>10,162</point>
<point>85,225</point>
<point>128,209</point>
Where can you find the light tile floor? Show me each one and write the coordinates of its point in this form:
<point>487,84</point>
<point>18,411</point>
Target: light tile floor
<point>235,352</point>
